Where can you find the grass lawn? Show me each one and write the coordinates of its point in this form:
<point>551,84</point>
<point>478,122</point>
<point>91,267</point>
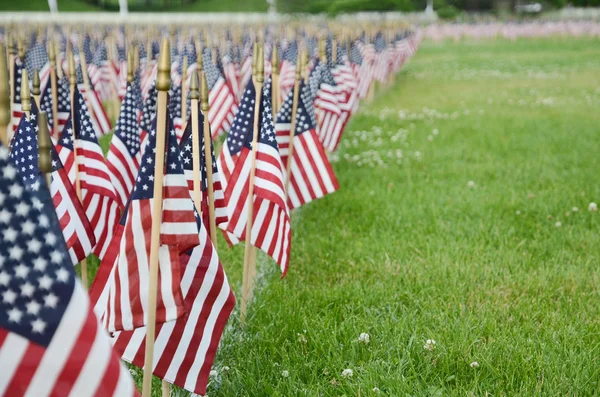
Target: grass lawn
<point>406,251</point>
<point>139,6</point>
<point>455,222</point>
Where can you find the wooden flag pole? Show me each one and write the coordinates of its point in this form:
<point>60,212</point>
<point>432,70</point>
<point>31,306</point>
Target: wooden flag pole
<point>54,88</point>
<point>163,83</point>
<point>11,80</point>
<point>73,82</point>
<point>288,167</point>
<point>25,95</point>
<point>195,96</point>
<point>35,89</point>
<point>44,158</point>
<point>275,82</point>
<point>5,115</point>
<point>250,252</point>
<point>212,220</point>
<point>184,68</point>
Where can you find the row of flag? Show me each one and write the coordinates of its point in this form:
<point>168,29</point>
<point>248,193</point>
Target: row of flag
<point>281,116</point>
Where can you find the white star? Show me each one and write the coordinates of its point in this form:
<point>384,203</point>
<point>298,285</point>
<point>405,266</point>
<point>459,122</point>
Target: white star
<point>9,296</point>
<point>38,326</point>
<point>33,307</point>
<point>50,238</point>
<point>16,253</point>
<point>62,275</point>
<point>27,289</point>
<point>10,234</point>
<point>15,190</point>
<point>22,209</point>
<point>44,221</point>
<point>34,246</point>
<point>51,300</point>
<point>45,282</point>
<point>15,315</point>
<point>4,278</point>
<point>37,204</point>
<point>145,187</point>
<point>40,264</point>
<point>10,172</point>
<point>56,256</point>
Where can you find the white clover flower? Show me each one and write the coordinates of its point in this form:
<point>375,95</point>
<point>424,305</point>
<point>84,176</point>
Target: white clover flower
<point>225,368</point>
<point>285,373</point>
<point>302,338</point>
<point>518,212</point>
<point>213,372</point>
<point>376,390</point>
<point>575,209</point>
<point>429,345</point>
<point>417,155</point>
<point>593,207</point>
<point>557,224</point>
<point>470,184</point>
<point>435,131</point>
<point>430,138</point>
<point>474,364</point>
<point>568,213</point>
<point>364,338</point>
<point>347,373</point>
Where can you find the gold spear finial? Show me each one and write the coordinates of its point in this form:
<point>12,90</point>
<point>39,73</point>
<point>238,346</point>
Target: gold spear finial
<point>194,87</point>
<point>204,93</point>
<point>163,78</point>
<point>72,72</point>
<point>51,54</point>
<point>4,92</point>
<point>11,44</point>
<point>260,65</point>
<point>36,83</point>
<point>130,66</point>
<point>44,160</point>
<point>25,94</point>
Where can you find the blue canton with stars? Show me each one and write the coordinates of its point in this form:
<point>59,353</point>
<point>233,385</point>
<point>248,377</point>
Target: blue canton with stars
<point>305,115</point>
<point>127,129</point>
<point>83,128</point>
<point>149,109</point>
<point>210,69</point>
<point>36,280</point>
<point>24,153</point>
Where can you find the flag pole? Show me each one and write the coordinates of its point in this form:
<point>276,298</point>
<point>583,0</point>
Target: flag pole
<point>73,82</point>
<point>288,167</point>
<point>275,81</point>
<point>44,161</point>
<point>212,220</point>
<point>11,68</point>
<point>163,83</point>
<point>25,94</point>
<point>184,68</point>
<point>195,96</point>
<point>35,89</point>
<point>5,115</point>
<point>250,252</point>
<point>54,87</point>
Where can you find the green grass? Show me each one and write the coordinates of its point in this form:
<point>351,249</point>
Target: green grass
<point>406,251</point>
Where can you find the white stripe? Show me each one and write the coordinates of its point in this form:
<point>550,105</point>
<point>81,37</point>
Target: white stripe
<point>12,352</point>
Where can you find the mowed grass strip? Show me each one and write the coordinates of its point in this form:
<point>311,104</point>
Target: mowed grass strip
<point>454,222</point>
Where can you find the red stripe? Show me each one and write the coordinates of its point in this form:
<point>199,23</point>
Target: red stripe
<point>25,370</point>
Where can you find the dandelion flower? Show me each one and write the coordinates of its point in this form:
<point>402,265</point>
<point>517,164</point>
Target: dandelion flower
<point>593,207</point>
<point>347,373</point>
<point>285,373</point>
<point>364,338</point>
<point>474,364</point>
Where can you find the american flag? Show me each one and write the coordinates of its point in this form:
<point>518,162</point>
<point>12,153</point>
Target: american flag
<point>76,228</point>
<point>311,174</point>
<point>184,350</point>
<point>63,106</point>
<point>230,72</point>
<point>37,58</point>
<point>222,102</point>
<point>246,69</point>
<point>126,272</point>
<point>176,110</point>
<point>148,115</point>
<point>17,113</point>
<point>347,97</point>
<point>99,118</point>
<point>271,228</point>
<point>98,194</point>
<point>51,343</point>
<point>288,69</point>
<point>327,106</point>
<point>187,158</point>
<point>123,160</point>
